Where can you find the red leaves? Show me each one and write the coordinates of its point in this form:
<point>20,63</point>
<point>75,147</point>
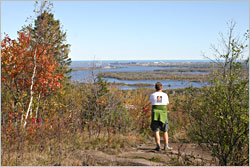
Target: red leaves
<point>147,109</point>
<point>34,125</point>
<point>17,64</point>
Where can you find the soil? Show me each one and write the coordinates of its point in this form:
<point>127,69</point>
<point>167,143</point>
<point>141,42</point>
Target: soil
<point>145,155</point>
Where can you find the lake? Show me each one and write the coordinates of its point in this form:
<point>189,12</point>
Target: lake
<point>167,84</point>
<point>84,75</point>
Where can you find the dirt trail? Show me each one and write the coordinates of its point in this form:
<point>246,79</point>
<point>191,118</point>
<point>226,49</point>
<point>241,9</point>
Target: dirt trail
<point>144,155</point>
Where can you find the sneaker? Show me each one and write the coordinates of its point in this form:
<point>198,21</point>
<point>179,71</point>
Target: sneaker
<point>157,149</point>
<point>168,148</point>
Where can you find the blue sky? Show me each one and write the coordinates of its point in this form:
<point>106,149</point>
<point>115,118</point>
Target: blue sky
<point>136,30</point>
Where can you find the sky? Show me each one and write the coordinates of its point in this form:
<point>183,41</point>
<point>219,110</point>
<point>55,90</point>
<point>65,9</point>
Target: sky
<point>136,30</point>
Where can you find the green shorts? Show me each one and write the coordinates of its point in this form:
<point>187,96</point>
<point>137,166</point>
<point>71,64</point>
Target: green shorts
<point>158,125</point>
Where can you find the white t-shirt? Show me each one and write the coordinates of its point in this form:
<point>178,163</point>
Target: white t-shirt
<point>159,98</point>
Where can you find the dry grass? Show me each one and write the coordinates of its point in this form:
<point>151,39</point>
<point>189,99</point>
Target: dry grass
<point>70,152</point>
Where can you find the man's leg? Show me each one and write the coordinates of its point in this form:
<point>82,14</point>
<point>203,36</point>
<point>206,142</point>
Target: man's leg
<point>157,140</point>
<point>165,137</point>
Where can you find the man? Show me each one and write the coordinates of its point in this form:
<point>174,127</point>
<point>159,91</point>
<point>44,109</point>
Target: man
<point>159,101</point>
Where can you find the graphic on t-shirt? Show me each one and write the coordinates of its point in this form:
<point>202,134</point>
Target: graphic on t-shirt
<point>159,99</point>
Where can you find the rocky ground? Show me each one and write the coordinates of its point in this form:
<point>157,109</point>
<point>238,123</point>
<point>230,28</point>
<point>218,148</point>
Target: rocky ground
<point>143,155</point>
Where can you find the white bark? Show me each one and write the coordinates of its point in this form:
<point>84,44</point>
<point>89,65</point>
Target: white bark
<point>34,70</point>
<point>31,90</point>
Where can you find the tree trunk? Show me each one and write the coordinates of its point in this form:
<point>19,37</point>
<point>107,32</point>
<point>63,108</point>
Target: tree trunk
<point>31,90</point>
<point>37,108</point>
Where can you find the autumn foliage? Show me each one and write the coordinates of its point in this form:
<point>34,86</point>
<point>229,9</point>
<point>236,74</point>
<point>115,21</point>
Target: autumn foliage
<point>43,111</point>
<point>18,63</point>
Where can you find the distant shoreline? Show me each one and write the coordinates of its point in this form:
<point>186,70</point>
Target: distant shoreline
<point>127,61</point>
<point>100,65</point>
<point>91,68</point>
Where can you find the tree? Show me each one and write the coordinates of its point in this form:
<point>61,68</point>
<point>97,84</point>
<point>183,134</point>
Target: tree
<point>219,114</point>
<point>35,65</point>
<point>47,32</point>
<point>18,73</point>
<point>50,31</point>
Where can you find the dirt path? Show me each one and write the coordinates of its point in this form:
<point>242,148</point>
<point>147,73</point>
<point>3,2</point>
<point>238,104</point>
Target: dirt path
<point>144,155</point>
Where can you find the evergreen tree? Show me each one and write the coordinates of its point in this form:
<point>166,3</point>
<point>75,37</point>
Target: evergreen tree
<point>51,33</point>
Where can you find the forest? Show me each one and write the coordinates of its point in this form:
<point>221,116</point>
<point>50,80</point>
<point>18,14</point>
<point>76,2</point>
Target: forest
<point>48,120</point>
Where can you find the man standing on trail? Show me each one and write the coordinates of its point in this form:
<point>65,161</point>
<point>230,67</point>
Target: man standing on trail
<point>159,101</point>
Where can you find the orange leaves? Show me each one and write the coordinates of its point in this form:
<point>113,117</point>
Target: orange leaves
<point>101,101</point>
<point>18,63</point>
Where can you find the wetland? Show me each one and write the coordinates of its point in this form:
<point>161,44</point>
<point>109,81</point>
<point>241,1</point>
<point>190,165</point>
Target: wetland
<point>144,74</point>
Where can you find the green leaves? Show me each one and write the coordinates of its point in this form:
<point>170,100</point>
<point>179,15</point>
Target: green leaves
<point>219,114</point>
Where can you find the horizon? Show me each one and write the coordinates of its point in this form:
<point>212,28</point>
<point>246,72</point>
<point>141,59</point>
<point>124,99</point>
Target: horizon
<point>140,59</point>
<point>146,60</point>
<point>156,60</point>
